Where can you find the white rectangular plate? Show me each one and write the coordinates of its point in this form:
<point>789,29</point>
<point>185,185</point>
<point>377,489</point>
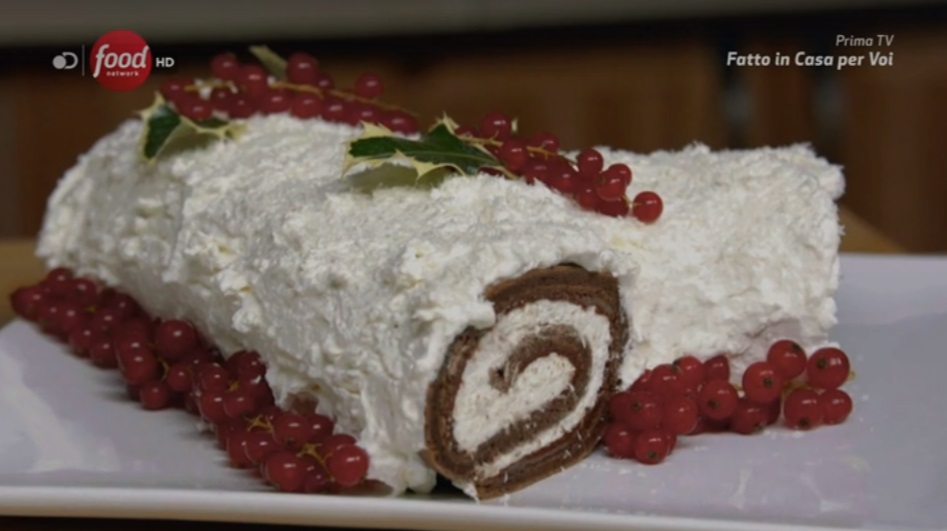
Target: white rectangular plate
<point>71,444</point>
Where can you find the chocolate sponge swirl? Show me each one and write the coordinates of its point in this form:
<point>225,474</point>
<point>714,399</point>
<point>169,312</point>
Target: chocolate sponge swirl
<point>527,446</point>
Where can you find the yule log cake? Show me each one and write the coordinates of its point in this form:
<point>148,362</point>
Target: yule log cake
<point>476,328</point>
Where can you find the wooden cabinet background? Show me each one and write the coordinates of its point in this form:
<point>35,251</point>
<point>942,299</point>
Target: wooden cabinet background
<point>647,91</point>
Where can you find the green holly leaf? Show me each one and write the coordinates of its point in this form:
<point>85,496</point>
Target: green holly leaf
<point>270,60</point>
<point>394,175</point>
<point>165,130</point>
<point>397,161</point>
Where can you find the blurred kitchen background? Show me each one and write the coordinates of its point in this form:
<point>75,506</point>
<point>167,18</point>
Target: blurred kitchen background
<point>641,75</point>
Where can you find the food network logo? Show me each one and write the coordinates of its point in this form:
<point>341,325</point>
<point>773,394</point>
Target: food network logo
<point>120,60</point>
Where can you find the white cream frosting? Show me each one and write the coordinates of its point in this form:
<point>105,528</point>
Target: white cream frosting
<point>355,298</point>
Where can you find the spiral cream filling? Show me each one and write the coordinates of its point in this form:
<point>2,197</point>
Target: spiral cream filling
<point>489,400</point>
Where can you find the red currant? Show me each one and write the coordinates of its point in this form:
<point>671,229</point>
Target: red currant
<point>368,86</point>
<point>123,304</point>
<point>537,170</point>
<point>690,371</point>
<point>590,163</point>
<point>652,446</point>
<point>134,328</point>
<point>320,427</point>
<point>615,209</point>
<point>292,430</point>
<point>706,425</point>
<point>275,101</point>
<point>836,406</point>
<point>717,399</point>
<point>259,445</point>
<point>221,99</point>
<point>242,107</point>
<point>748,418</point>
<point>647,207</point>
<point>622,171</point>
<point>245,365</point>
<point>102,351</point>
<point>285,470</point>
<point>26,302</point>
<point>302,69</point>
<point>773,410</point>
<point>225,66</point>
<point>138,365</point>
<point>83,292</point>
<point>174,88</point>
<point>194,107</point>
<point>643,381</point>
<point>717,368</point>
<point>563,177</point>
<point>334,109</point>
<point>586,197</point>
<point>332,443</point>
<point>665,382</point>
<point>236,449</point>
<point>348,465</point>
<point>317,477</point>
<point>802,409</point>
<point>513,154</point>
<point>305,105</point>
<point>645,412</point>
<point>253,80</point>
<point>324,81</point>
<point>211,406</point>
<point>174,339</point>
<point>610,187</point>
<point>761,383</point>
<point>788,358</point>
<point>619,405</point>
<point>680,415</point>
<point>70,317</point>
<point>828,368</point>
<point>400,122</point>
<point>178,377</point>
<point>619,440</point>
<point>261,391</point>
<point>545,141</point>
<point>211,377</point>
<point>238,403</point>
<point>155,395</point>
<point>496,125</point>
<point>82,337</point>
<point>363,112</point>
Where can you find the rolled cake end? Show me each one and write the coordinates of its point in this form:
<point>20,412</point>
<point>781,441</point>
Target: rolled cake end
<point>524,399</point>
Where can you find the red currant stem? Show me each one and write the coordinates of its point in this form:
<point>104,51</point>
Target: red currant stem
<point>792,385</point>
<point>310,449</point>
<point>259,421</point>
<point>532,149</point>
<point>348,96</point>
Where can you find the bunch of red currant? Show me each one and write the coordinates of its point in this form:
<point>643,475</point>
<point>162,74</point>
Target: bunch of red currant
<point>689,397</point>
<point>593,186</point>
<point>167,363</point>
<point>242,90</point>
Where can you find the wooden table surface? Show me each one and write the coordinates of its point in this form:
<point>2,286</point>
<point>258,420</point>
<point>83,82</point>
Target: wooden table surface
<point>18,266</point>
